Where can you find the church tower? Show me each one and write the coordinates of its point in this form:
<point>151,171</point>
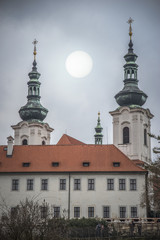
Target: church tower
<point>131,122</point>
<point>32,130</point>
<point>98,136</point>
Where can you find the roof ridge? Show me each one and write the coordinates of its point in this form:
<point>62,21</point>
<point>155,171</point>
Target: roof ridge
<point>68,140</point>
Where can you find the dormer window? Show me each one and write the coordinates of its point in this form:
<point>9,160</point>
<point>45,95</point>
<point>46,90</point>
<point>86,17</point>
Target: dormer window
<point>26,164</point>
<point>116,164</point>
<point>55,164</point>
<point>86,164</point>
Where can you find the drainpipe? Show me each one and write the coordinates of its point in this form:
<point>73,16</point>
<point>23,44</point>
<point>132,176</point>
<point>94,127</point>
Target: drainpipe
<point>69,196</point>
<point>147,200</point>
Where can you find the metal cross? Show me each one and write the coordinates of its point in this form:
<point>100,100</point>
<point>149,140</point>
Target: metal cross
<point>130,27</point>
<point>35,52</point>
<point>35,42</point>
<point>130,20</point>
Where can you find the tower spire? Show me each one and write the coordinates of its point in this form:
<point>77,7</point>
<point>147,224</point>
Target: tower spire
<point>33,110</point>
<point>130,95</point>
<point>98,136</point>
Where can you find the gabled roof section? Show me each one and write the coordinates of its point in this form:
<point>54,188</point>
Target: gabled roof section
<point>67,140</point>
<point>70,158</point>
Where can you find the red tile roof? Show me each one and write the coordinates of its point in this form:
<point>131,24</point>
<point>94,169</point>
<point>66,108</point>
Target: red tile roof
<point>70,158</point>
<point>67,140</point>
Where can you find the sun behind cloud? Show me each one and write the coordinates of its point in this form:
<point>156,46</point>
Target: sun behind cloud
<point>79,64</point>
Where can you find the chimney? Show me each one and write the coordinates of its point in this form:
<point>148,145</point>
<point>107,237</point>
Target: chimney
<point>10,146</point>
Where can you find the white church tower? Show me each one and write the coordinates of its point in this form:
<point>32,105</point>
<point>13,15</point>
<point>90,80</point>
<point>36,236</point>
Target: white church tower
<point>131,122</point>
<point>32,130</point>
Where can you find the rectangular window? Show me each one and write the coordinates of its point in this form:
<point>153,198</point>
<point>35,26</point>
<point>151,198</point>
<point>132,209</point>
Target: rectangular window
<point>122,184</point>
<point>145,137</point>
<point>44,184</point>
<point>110,184</point>
<point>62,184</point>
<point>56,212</point>
<point>90,184</point>
<point>106,212</point>
<point>90,212</point>
<point>77,184</point>
<point>122,212</point>
<point>77,212</point>
<point>29,184</point>
<point>133,212</point>
<point>15,184</point>
<point>14,211</point>
<point>133,184</point>
<point>44,211</point>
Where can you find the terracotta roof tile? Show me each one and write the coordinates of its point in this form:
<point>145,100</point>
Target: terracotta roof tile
<point>67,140</point>
<point>70,158</point>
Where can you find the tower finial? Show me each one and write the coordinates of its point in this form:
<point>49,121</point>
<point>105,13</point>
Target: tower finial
<point>35,50</point>
<point>130,21</point>
<point>130,95</point>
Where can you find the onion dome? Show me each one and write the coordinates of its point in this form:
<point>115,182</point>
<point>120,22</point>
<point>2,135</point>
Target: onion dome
<point>33,110</point>
<point>98,136</point>
<point>130,95</point>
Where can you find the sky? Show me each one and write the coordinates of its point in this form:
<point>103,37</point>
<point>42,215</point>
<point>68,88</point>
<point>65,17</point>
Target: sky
<point>98,27</point>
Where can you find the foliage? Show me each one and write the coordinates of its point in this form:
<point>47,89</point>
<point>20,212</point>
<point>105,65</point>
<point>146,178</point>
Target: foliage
<point>154,179</point>
<point>156,149</point>
<point>26,222</point>
<point>86,222</point>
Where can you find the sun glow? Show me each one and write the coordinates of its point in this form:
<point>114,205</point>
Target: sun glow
<point>79,64</point>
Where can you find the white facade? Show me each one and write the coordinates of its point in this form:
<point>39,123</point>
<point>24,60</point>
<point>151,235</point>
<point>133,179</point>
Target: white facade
<point>137,120</point>
<point>69,198</point>
<point>35,133</point>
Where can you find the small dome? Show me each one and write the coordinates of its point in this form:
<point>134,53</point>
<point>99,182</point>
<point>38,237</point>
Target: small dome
<point>33,111</point>
<point>131,97</point>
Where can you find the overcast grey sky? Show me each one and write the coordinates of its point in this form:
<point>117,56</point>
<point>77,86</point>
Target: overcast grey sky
<point>62,26</point>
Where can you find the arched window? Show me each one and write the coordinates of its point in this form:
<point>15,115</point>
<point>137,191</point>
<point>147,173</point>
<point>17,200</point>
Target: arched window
<point>43,142</point>
<point>145,137</point>
<point>125,135</point>
<point>30,91</point>
<point>128,74</point>
<point>34,91</point>
<point>25,142</point>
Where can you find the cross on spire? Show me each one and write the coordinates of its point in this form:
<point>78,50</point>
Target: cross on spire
<point>130,21</point>
<point>35,50</point>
